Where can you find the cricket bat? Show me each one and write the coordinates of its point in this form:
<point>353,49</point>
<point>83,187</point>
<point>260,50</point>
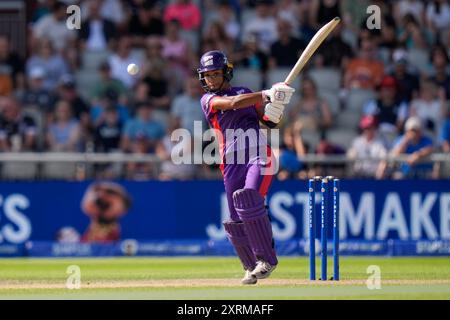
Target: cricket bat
<point>312,46</point>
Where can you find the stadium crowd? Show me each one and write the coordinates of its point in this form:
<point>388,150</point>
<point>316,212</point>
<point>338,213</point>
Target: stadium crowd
<point>367,92</point>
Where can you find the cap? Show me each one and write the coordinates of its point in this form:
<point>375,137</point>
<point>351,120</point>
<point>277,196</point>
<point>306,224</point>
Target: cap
<point>413,123</point>
<point>388,82</point>
<point>368,121</point>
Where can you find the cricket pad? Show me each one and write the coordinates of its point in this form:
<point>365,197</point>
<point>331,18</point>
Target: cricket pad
<point>249,205</point>
<point>237,235</point>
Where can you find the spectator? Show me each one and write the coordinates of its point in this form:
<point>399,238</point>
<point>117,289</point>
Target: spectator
<point>323,11</point>
<point>43,8</point>
<point>185,107</point>
<point>313,112</point>
<point>109,9</point>
<point>142,125</point>
<point>287,49</point>
<point>53,64</point>
<point>11,68</point>
<point>110,99</point>
<point>120,60</point>
<point>415,8</point>
<point>445,132</point>
<point>158,85</point>
<point>53,26</point>
<point>228,20</point>
<point>145,21</point>
<point>418,147</point>
<point>172,79</point>
<point>365,146</point>
<point>164,149</point>
<point>175,49</point>
<point>326,148</point>
<point>263,25</point>
<point>292,150</point>
<point>250,56</point>
<point>390,113</point>
<point>388,37</point>
<point>217,35</point>
<point>440,61</point>
<point>288,10</point>
<point>429,107</point>
<point>108,131</point>
<point>365,71</point>
<point>438,16</point>
<point>107,83</point>
<point>79,108</point>
<point>411,34</point>
<point>17,131</point>
<point>36,95</point>
<point>140,171</point>
<point>64,133</point>
<point>96,33</point>
<point>354,13</point>
<point>408,83</point>
<point>335,52</point>
<point>442,169</point>
<point>186,12</point>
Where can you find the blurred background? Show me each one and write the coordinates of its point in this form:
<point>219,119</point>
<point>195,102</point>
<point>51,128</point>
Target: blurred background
<point>68,90</point>
<point>372,103</point>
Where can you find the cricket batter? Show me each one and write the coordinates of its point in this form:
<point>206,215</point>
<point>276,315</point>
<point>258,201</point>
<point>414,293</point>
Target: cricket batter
<point>246,184</point>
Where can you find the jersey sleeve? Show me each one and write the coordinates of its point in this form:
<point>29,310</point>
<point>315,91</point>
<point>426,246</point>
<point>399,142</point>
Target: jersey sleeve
<point>207,104</point>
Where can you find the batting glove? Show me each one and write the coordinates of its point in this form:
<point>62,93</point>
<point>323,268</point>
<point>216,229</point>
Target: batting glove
<point>273,112</point>
<point>280,93</point>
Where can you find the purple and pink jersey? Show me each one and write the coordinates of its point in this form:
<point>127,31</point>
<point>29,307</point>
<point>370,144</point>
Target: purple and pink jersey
<point>239,134</point>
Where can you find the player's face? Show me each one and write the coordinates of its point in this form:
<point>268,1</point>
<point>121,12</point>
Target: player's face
<point>214,79</point>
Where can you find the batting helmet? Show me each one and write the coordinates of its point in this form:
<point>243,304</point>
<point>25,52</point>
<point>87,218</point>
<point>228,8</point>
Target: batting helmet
<point>214,60</point>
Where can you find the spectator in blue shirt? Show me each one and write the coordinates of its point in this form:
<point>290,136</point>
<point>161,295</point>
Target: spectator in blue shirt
<point>418,147</point>
<point>142,126</point>
<point>445,132</point>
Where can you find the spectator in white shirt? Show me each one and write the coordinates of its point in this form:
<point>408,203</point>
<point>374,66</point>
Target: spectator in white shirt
<point>120,60</point>
<point>53,26</point>
<point>51,62</point>
<point>429,107</point>
<point>367,145</point>
<point>263,25</point>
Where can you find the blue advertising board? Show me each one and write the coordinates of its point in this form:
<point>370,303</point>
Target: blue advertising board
<point>406,210</point>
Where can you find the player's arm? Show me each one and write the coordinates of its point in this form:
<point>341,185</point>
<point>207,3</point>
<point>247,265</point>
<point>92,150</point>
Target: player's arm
<point>280,93</point>
<point>237,102</point>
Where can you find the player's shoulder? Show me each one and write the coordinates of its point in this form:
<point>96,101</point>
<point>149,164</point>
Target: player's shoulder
<point>206,97</point>
<point>241,90</point>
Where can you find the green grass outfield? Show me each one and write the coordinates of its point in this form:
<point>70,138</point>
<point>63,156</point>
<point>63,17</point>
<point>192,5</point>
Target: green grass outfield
<point>219,278</point>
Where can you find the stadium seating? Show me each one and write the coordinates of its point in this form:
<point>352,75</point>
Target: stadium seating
<point>248,78</point>
<point>326,79</point>
<point>19,171</point>
<point>59,170</point>
<point>279,74</point>
<point>86,81</point>
<point>91,60</point>
<point>342,136</point>
<point>357,98</point>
